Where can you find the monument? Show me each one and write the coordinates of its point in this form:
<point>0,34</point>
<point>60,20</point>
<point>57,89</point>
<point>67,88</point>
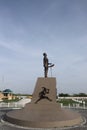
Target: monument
<point>44,111</point>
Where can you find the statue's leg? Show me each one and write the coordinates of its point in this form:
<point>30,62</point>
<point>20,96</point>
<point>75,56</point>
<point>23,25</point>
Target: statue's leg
<point>38,100</point>
<point>48,98</point>
<point>45,75</point>
<point>46,72</point>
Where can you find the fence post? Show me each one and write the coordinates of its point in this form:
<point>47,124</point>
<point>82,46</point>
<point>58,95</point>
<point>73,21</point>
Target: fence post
<point>69,105</point>
<point>61,105</point>
<point>8,104</point>
<point>84,104</point>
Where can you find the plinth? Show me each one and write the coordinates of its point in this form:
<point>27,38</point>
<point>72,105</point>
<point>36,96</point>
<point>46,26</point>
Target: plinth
<point>43,111</point>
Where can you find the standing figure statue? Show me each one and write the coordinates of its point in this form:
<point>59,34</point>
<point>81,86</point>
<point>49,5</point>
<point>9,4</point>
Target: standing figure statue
<point>46,64</point>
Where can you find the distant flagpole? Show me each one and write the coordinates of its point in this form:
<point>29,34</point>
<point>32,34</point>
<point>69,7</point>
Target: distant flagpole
<point>51,71</point>
<point>3,81</point>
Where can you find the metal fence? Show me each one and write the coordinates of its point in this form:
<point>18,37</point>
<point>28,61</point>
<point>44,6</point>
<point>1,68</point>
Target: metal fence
<point>21,105</point>
<point>11,105</point>
<point>74,105</point>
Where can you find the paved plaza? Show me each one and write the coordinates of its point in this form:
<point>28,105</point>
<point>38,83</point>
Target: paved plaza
<point>4,126</point>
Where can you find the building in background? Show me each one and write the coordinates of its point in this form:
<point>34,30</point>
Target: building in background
<point>8,94</point>
<point>1,96</point>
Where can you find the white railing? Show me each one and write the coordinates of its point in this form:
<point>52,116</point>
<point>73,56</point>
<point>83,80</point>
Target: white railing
<point>23,102</point>
<point>18,105</point>
<point>79,102</point>
<point>12,105</point>
<point>74,105</point>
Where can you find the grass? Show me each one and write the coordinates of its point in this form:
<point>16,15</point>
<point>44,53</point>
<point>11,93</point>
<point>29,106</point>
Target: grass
<point>66,102</point>
<point>13,100</point>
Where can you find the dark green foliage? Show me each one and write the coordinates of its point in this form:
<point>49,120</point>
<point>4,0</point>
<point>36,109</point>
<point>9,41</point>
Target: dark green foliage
<point>13,100</point>
<point>64,95</point>
<point>67,101</point>
<point>80,95</point>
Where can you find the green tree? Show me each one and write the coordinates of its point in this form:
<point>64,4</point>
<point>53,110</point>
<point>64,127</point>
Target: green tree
<point>64,95</point>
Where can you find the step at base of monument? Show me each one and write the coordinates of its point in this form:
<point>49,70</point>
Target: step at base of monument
<point>43,116</point>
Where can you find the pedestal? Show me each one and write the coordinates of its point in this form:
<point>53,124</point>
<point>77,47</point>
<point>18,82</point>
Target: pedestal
<point>43,111</point>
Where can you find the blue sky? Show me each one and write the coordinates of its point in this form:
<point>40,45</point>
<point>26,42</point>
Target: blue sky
<point>30,27</point>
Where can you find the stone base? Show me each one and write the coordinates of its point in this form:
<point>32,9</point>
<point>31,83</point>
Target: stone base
<point>44,113</point>
<point>43,116</point>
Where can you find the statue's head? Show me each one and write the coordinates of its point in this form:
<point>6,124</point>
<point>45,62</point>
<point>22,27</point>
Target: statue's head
<point>44,54</point>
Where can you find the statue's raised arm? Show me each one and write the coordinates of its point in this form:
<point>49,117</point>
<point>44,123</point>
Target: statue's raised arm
<point>46,64</point>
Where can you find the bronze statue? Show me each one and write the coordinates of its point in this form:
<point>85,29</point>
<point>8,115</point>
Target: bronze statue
<point>46,64</point>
